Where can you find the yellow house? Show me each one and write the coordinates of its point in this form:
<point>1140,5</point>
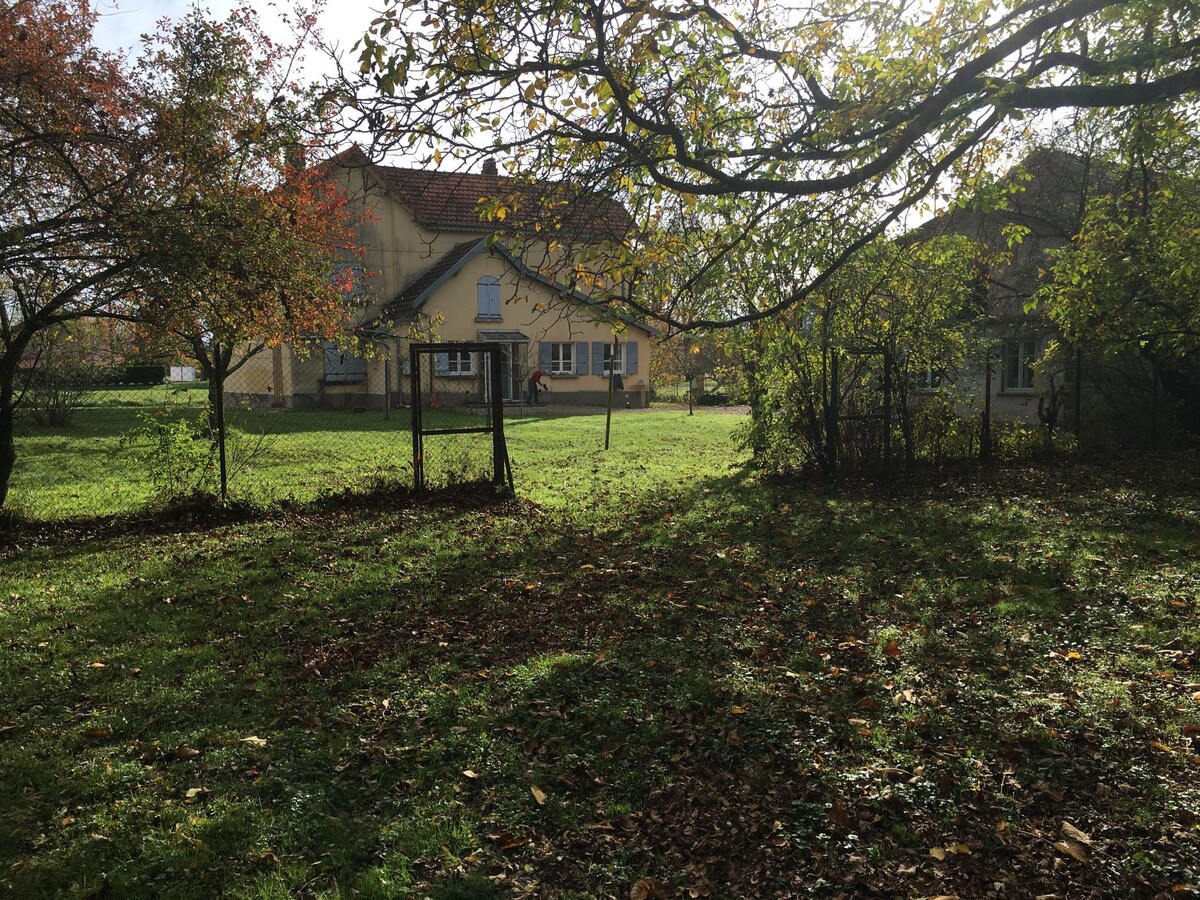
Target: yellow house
<point>434,271</point>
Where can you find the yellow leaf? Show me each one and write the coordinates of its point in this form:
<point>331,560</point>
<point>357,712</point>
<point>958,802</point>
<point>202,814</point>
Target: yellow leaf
<point>470,774</point>
<point>538,794</point>
<point>1073,849</point>
<point>937,853</point>
<point>254,741</point>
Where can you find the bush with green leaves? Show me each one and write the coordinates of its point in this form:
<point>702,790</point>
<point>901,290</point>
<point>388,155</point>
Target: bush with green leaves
<point>178,451</point>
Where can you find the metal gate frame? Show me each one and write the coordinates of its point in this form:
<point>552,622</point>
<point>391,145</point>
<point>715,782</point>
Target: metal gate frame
<point>884,416</point>
<point>502,476</point>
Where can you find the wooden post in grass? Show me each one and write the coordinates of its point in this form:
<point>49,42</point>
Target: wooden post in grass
<point>612,374</point>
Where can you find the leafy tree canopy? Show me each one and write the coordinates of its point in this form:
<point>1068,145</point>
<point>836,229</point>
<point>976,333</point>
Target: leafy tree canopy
<point>818,124</point>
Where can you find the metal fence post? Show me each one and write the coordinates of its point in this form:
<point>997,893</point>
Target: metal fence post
<point>887,413</point>
<point>496,399</point>
<point>612,375</point>
<point>985,427</point>
<point>219,372</point>
<point>415,393</point>
<point>831,426</point>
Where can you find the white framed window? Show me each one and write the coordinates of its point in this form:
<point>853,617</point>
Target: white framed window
<point>460,362</point>
<point>931,376</point>
<point>488,290</point>
<point>562,359</point>
<point>1016,358</point>
<point>614,364</point>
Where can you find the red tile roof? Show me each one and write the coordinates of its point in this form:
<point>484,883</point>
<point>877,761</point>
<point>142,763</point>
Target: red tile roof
<point>451,201</point>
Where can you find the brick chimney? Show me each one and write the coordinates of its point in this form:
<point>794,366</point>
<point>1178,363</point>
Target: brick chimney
<point>489,167</point>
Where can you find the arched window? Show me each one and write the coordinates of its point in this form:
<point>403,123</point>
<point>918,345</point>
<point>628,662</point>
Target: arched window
<point>489,297</point>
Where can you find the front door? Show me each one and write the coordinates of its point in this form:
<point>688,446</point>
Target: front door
<point>512,370</point>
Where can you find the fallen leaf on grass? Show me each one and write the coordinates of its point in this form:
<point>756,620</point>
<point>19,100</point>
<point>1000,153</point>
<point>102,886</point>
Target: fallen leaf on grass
<point>892,649</point>
<point>538,794</point>
<point>937,853</point>
<point>195,795</point>
<point>185,753</point>
<point>506,840</point>
<point>737,710</point>
<point>647,889</point>
<point>838,815</point>
<point>470,774</point>
<point>97,732</point>
<point>1074,834</point>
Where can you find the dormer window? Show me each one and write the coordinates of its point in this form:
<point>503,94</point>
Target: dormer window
<point>489,298</point>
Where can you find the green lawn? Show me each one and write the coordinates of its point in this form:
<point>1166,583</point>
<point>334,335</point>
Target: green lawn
<point>94,467</point>
<point>650,666</point>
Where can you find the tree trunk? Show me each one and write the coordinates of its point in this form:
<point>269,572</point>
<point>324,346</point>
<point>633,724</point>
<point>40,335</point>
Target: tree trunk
<point>8,448</point>
<point>691,396</point>
<point>8,421</point>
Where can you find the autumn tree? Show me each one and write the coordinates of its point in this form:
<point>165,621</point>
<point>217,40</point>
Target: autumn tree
<point>144,193</point>
<point>801,115</point>
<point>689,357</point>
<point>71,167</point>
<point>256,235</point>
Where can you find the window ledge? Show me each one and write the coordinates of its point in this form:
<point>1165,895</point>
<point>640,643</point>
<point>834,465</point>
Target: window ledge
<point>1017,392</point>
<point>489,319</point>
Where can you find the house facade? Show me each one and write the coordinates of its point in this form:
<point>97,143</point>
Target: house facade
<point>435,271</point>
<point>1042,211</point>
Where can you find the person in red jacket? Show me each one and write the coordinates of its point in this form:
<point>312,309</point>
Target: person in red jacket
<point>535,385</point>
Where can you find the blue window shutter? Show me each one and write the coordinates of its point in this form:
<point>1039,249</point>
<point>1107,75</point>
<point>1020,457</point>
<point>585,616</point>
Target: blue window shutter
<point>544,356</point>
<point>631,357</point>
<point>488,290</point>
<point>597,357</point>
<point>441,364</point>
<point>581,358</point>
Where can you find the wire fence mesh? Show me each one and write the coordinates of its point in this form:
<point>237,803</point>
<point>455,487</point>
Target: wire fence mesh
<point>118,442</point>
<point>96,441</point>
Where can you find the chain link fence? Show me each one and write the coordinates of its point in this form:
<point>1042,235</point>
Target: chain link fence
<point>862,412</point>
<point>98,440</point>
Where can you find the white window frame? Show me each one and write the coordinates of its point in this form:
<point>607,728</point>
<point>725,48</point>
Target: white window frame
<point>1025,351</point>
<point>620,358</point>
<point>460,362</point>
<point>562,358</point>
